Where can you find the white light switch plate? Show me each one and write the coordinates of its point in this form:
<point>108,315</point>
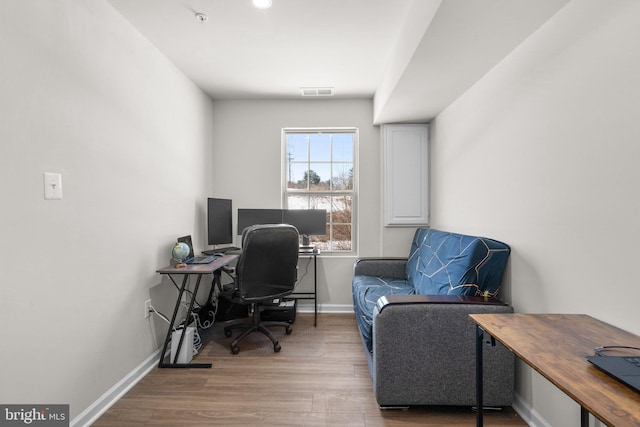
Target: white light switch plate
<point>52,186</point>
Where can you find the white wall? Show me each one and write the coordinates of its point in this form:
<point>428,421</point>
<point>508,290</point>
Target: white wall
<point>248,161</point>
<point>542,153</point>
<point>83,94</point>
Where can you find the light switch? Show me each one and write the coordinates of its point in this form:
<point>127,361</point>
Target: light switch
<point>52,186</point>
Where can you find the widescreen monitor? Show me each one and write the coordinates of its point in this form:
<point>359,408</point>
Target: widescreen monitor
<point>219,221</point>
<point>309,222</point>
<point>249,217</point>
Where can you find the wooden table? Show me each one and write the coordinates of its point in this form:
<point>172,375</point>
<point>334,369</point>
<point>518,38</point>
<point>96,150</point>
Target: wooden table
<point>555,345</point>
<point>192,269</point>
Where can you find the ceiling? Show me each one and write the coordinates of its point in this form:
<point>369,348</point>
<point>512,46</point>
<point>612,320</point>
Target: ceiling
<point>414,57</point>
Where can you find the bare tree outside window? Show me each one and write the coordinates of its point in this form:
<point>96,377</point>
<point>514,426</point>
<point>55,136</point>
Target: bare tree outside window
<point>320,175</point>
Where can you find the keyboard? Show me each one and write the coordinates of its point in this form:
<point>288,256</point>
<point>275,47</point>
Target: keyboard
<point>623,368</point>
<point>201,259</point>
<point>221,250</point>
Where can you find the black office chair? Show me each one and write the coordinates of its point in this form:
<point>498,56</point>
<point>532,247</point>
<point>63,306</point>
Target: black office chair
<point>267,269</point>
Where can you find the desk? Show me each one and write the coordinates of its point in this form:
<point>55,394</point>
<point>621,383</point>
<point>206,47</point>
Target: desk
<point>555,345</point>
<point>192,269</point>
<point>310,295</point>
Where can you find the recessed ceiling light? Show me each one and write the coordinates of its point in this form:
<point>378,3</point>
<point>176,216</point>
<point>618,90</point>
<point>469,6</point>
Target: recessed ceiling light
<point>262,4</point>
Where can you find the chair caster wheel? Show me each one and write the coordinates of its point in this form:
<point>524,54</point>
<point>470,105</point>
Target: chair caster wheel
<point>289,329</point>
<point>227,332</point>
<point>235,349</point>
<point>277,348</point>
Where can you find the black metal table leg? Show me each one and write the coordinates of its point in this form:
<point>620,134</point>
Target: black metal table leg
<point>173,320</point>
<point>172,363</point>
<point>479,379</point>
<point>584,417</point>
<point>315,289</point>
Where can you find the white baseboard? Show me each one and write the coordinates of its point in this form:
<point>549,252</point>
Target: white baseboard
<point>108,399</point>
<point>527,413</point>
<point>100,406</point>
<point>325,308</point>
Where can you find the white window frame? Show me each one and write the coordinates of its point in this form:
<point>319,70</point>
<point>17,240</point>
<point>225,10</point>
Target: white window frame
<point>354,192</point>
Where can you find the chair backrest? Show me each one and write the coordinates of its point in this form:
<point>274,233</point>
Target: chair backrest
<point>268,264</point>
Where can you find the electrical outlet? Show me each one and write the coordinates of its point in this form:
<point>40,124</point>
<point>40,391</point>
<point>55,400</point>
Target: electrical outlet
<point>147,308</point>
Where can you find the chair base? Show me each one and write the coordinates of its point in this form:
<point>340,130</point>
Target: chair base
<point>255,325</point>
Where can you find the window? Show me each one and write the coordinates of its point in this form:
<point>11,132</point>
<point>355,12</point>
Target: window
<point>319,173</point>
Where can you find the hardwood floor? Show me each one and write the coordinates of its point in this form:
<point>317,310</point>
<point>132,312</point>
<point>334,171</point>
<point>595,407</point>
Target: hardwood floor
<point>320,378</point>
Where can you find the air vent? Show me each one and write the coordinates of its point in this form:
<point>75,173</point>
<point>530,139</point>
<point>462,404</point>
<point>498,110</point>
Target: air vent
<point>316,91</point>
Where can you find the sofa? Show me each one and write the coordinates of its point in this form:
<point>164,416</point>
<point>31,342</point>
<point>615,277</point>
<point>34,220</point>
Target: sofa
<point>413,316</point>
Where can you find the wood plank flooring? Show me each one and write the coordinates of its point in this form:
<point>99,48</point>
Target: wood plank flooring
<point>320,378</point>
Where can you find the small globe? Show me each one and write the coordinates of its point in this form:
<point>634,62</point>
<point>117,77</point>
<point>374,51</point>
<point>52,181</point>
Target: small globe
<point>180,251</point>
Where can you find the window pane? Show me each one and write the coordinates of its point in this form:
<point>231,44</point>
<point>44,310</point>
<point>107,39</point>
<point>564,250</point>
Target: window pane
<point>298,202</point>
<point>319,176</point>
<point>342,146</point>
<point>297,147</point>
<point>311,202</point>
<point>342,177</point>
<point>297,178</point>
<point>322,242</point>
<point>321,202</point>
<point>341,208</point>
<point>341,237</point>
<point>320,147</point>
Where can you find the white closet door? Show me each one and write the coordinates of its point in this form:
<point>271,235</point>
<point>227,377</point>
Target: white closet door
<point>406,175</point>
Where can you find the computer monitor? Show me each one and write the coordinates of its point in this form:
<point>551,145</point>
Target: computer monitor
<point>249,217</point>
<point>309,222</point>
<point>219,221</point>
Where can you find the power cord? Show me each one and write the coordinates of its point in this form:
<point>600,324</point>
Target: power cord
<point>153,310</point>
<point>306,271</point>
<point>598,350</point>
<point>197,340</point>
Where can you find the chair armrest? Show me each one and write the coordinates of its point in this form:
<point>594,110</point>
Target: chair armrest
<point>380,267</point>
<point>389,300</point>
